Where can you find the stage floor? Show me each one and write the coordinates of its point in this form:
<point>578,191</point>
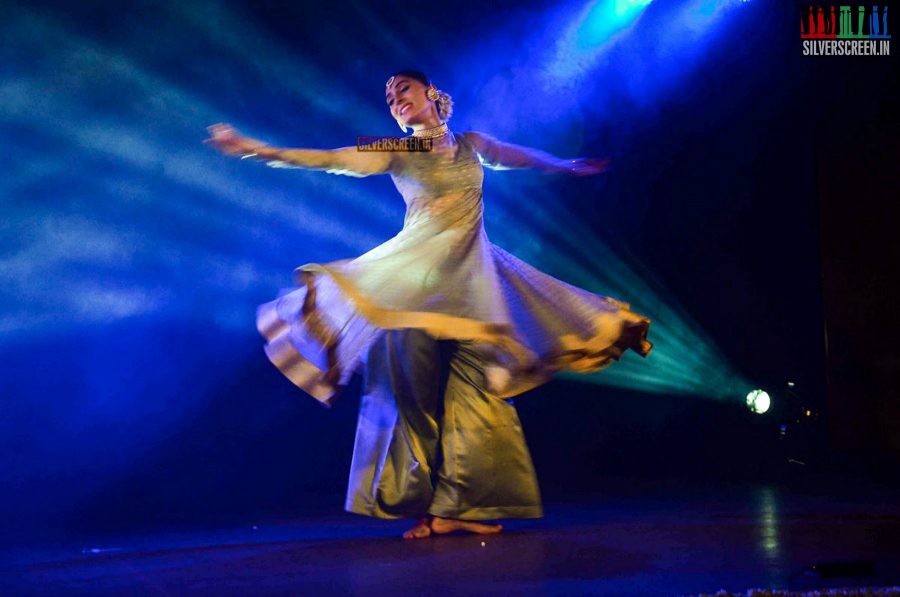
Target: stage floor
<point>638,538</point>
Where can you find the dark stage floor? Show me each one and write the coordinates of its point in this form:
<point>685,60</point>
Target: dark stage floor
<point>639,538</point>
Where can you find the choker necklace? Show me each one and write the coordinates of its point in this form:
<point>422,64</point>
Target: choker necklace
<point>433,132</point>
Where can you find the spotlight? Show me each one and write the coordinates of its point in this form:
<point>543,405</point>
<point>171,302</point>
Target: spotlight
<point>606,18</point>
<point>758,401</point>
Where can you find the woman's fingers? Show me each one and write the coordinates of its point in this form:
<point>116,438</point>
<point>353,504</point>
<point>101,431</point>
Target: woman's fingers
<point>227,140</point>
<point>222,135</point>
<point>589,166</point>
<point>220,129</point>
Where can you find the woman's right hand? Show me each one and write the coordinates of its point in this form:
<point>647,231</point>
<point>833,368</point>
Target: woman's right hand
<point>226,139</point>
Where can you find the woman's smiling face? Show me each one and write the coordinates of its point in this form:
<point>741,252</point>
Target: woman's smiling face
<point>406,99</point>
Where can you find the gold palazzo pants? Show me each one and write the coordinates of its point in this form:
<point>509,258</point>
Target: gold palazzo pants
<point>432,440</point>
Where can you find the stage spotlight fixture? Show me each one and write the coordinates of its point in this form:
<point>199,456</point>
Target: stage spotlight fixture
<point>758,401</point>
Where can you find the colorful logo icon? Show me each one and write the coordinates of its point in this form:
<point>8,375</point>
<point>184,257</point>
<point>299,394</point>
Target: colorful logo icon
<point>859,30</point>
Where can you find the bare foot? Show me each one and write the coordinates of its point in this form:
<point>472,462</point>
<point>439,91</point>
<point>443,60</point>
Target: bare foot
<point>442,526</point>
<point>420,531</point>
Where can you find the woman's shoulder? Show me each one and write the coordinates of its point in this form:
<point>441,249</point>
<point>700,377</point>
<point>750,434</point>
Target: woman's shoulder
<point>479,141</point>
<point>472,137</point>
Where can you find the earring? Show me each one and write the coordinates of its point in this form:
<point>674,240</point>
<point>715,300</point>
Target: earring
<point>402,126</point>
<point>432,93</point>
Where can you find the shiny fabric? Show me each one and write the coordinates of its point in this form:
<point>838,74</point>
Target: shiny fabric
<point>441,275</point>
<point>432,440</point>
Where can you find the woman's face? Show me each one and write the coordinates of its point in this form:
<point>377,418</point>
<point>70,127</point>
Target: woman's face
<point>406,100</point>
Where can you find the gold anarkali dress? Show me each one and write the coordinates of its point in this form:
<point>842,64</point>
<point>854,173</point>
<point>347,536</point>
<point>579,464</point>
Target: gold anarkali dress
<point>447,327</point>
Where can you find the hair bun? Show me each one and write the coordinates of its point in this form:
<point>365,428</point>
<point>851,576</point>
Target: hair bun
<point>444,106</point>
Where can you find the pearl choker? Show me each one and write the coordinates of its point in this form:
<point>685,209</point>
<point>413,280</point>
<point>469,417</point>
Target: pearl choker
<point>433,132</point>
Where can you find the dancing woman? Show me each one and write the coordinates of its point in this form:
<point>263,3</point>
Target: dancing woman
<point>446,325</point>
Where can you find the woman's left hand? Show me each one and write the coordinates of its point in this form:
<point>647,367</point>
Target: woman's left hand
<point>586,166</point>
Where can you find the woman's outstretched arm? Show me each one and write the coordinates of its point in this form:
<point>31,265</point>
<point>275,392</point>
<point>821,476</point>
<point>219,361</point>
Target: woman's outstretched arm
<point>344,160</point>
<point>497,155</point>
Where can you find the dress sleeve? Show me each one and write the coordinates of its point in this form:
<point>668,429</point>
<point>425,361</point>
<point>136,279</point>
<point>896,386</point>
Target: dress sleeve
<point>349,161</point>
<point>497,155</point>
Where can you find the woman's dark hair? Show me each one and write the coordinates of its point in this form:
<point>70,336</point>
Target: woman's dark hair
<point>413,74</point>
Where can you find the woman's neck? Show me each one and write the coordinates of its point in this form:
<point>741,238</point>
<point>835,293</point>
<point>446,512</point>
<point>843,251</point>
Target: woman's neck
<point>430,122</point>
<point>435,132</point>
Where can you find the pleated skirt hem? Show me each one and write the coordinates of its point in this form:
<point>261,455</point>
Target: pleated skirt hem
<point>481,513</point>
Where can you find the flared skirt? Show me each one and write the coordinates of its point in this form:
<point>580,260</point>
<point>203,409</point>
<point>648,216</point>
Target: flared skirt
<point>450,283</point>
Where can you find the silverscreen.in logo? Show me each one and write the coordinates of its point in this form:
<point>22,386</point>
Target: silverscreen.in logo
<point>370,143</point>
<point>835,30</point>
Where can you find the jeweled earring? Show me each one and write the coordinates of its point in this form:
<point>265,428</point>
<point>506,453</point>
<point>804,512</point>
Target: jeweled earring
<point>432,93</point>
<point>402,127</point>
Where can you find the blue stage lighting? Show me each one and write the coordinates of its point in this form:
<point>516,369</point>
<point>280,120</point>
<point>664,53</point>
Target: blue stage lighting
<point>606,17</point>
